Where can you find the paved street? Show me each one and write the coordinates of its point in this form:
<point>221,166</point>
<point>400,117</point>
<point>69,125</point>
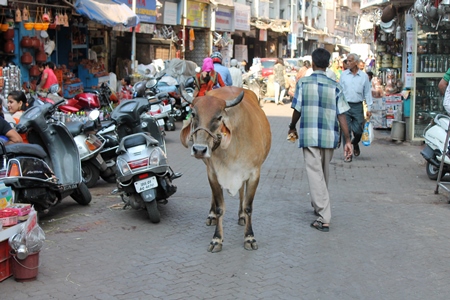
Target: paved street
<point>389,236</point>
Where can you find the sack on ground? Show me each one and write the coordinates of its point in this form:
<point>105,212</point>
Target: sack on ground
<point>367,136</point>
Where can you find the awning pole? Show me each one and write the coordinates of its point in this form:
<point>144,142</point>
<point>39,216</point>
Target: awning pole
<point>133,41</point>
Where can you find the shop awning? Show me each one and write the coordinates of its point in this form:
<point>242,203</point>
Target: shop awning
<point>107,12</point>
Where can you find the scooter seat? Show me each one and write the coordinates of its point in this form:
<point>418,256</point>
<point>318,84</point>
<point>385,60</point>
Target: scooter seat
<point>26,149</point>
<point>136,140</point>
<point>75,128</point>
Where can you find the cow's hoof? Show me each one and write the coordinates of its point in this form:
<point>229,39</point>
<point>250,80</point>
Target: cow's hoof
<point>211,221</point>
<point>241,221</point>
<point>250,243</point>
<point>215,246</point>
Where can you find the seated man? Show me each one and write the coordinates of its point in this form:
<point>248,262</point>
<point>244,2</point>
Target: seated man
<point>8,134</point>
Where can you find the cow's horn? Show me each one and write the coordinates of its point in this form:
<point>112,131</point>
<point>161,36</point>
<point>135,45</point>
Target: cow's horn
<point>185,95</point>
<point>235,101</point>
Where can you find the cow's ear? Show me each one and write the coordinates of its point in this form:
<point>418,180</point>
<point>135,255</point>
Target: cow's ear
<point>185,133</point>
<point>226,135</point>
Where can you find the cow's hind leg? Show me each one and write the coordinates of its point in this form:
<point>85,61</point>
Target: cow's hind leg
<point>249,237</point>
<point>219,205</point>
<point>241,215</point>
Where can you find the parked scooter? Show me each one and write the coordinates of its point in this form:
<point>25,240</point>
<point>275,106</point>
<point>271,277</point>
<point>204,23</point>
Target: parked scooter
<point>97,154</point>
<point>89,100</point>
<point>144,177</point>
<point>435,134</point>
<point>47,169</point>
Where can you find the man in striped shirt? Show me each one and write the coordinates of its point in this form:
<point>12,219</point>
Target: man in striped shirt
<point>320,106</point>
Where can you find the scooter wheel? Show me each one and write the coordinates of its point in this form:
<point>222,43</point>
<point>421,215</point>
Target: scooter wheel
<point>110,179</point>
<point>82,195</point>
<point>433,171</point>
<point>153,212</point>
<point>90,174</point>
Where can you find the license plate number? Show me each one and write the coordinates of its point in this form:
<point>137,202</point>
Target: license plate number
<point>160,122</point>
<point>145,184</point>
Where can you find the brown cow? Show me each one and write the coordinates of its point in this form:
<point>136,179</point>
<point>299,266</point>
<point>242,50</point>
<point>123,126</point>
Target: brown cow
<point>231,134</point>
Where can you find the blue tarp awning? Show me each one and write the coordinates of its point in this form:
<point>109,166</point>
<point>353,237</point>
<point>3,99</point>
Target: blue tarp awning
<point>107,12</point>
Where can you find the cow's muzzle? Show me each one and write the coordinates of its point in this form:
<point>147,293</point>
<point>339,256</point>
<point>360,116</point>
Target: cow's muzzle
<point>199,149</point>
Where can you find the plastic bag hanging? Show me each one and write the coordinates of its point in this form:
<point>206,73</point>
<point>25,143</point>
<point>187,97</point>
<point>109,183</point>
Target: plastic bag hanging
<point>367,136</point>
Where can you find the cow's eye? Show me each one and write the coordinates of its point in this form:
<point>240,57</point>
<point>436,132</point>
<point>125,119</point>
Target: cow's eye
<point>219,118</point>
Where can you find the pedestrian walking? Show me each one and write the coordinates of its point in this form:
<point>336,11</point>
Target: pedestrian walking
<point>357,88</point>
<point>222,70</point>
<point>279,71</point>
<point>207,79</point>
<point>236,73</point>
<point>320,105</point>
<point>301,73</point>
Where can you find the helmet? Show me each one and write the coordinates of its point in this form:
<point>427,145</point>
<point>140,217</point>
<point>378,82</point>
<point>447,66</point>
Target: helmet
<point>216,57</point>
<point>139,89</point>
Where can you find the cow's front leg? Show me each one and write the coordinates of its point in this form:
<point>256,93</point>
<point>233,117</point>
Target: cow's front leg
<point>212,218</point>
<point>249,237</point>
<point>219,204</point>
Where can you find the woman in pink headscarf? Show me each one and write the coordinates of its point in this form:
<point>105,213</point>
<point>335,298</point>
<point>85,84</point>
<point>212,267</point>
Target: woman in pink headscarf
<point>207,79</point>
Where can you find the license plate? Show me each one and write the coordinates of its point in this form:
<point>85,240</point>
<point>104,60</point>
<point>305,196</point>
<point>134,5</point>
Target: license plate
<point>161,122</point>
<point>145,184</point>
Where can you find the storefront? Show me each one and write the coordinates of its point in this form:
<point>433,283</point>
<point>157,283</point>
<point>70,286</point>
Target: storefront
<point>77,44</point>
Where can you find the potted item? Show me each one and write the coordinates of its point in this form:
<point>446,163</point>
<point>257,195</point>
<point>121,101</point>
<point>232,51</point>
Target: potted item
<point>34,71</point>
<point>35,43</point>
<point>9,34</point>
<point>26,58</point>
<point>26,42</point>
<point>8,47</point>
<point>41,56</point>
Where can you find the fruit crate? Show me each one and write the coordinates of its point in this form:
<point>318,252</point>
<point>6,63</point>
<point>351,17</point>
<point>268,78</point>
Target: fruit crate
<point>5,266</point>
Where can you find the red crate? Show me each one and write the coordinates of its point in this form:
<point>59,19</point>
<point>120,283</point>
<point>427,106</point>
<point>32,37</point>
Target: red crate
<point>5,269</point>
<point>4,250</point>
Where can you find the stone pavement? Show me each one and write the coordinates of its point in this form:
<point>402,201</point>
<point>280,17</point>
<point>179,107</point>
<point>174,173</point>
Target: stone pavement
<point>388,236</point>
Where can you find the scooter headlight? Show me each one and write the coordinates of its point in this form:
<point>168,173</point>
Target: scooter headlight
<point>156,156</point>
<point>123,167</point>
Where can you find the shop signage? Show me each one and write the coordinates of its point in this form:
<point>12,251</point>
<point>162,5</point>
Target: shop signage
<point>197,14</point>
<point>241,17</point>
<point>145,9</point>
<point>170,13</point>
<point>369,3</point>
<point>224,19</point>
<point>263,35</point>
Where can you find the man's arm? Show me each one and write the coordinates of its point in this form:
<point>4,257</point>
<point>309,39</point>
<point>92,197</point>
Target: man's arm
<point>348,151</point>
<point>442,86</point>
<point>43,80</point>
<point>13,137</point>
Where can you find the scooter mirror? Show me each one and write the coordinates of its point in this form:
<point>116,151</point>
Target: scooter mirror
<point>93,115</point>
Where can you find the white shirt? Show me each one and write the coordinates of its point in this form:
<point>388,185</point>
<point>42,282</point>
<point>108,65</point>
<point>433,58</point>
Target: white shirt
<point>236,76</point>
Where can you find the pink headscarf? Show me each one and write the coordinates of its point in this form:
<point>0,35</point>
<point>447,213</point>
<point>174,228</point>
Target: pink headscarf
<point>207,65</point>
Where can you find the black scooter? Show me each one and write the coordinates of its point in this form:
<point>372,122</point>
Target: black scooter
<point>47,169</point>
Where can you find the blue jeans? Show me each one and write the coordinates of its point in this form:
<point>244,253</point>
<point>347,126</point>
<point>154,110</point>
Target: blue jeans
<point>355,121</point>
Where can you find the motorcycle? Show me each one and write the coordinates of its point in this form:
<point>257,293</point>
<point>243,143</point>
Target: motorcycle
<point>47,169</point>
<point>143,175</point>
<point>89,100</point>
<point>97,152</point>
<point>435,134</point>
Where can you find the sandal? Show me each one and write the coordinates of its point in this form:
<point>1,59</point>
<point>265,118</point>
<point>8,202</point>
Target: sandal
<point>348,159</point>
<point>356,150</point>
<point>320,226</point>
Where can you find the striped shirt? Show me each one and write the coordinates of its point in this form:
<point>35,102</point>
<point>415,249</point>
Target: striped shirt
<point>319,100</point>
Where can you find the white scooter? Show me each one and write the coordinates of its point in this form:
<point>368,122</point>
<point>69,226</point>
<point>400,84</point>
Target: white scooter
<point>435,135</point>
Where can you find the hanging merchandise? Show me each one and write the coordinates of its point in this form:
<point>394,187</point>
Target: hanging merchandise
<point>66,20</point>
<point>191,39</point>
<point>18,17</point>
<point>25,14</point>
